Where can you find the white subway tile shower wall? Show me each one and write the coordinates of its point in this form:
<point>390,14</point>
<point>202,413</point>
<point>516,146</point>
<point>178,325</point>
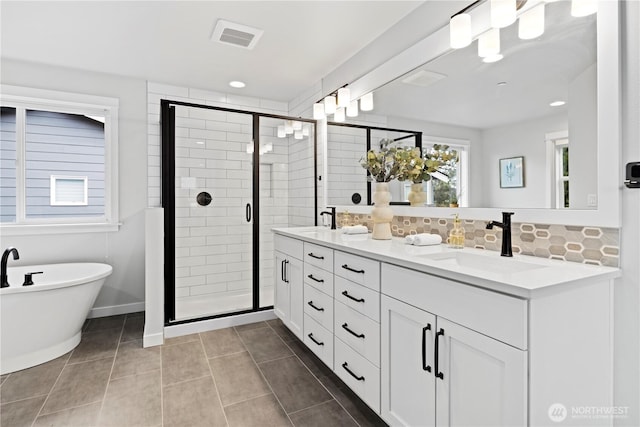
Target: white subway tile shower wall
<point>346,147</point>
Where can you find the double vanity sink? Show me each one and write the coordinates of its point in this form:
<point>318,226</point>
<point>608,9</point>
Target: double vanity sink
<point>429,335</point>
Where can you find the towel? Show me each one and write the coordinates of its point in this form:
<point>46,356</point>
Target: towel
<point>355,229</point>
<point>410,239</point>
<point>425,239</point>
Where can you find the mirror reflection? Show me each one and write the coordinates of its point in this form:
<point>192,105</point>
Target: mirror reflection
<point>537,103</point>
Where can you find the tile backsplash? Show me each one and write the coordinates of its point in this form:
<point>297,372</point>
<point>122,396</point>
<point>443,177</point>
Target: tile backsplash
<point>584,244</point>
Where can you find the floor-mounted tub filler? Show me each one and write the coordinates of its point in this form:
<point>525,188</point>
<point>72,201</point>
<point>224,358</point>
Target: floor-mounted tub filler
<point>43,321</point>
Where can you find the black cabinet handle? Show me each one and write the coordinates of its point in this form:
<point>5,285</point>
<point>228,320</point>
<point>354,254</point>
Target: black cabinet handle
<point>346,368</point>
<point>248,212</point>
<point>312,255</point>
<point>346,294</point>
<point>435,356</point>
<point>286,276</point>
<point>424,348</point>
<point>346,328</point>
<point>314,307</point>
<point>346,267</point>
<point>314,279</point>
<point>282,272</point>
<point>315,340</point>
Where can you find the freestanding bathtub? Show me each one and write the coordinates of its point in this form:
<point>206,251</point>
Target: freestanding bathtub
<point>41,322</point>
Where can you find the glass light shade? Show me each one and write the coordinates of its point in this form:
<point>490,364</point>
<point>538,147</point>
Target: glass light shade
<point>503,13</point>
<point>305,130</point>
<point>366,102</point>
<point>489,43</point>
<point>288,127</point>
<point>250,148</point>
<point>460,31</point>
<point>339,115</point>
<point>318,111</point>
<point>344,97</point>
<point>583,7</point>
<point>352,109</point>
<point>531,23</point>
<point>329,104</point>
<point>297,134</point>
<point>493,58</point>
<point>281,132</point>
<point>297,125</point>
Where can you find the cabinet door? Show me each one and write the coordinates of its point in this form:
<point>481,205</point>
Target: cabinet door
<point>484,381</point>
<point>281,298</point>
<point>293,274</point>
<point>407,364</point>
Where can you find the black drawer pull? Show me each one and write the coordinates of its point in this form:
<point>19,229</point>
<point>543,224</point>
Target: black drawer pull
<point>346,294</point>
<point>437,371</point>
<point>314,279</point>
<point>346,267</point>
<point>424,348</point>
<point>345,366</point>
<point>312,255</point>
<point>314,307</point>
<point>315,340</point>
<point>346,328</point>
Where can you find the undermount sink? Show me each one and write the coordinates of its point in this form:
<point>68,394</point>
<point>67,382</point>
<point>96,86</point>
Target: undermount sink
<point>491,264</point>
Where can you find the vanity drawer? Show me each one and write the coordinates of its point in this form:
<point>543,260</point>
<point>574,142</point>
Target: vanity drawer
<point>319,256</point>
<point>319,340</point>
<point>289,246</point>
<point>496,315</point>
<point>359,298</point>
<point>363,271</point>
<point>358,331</point>
<point>319,306</point>
<point>358,373</point>
<point>319,278</point>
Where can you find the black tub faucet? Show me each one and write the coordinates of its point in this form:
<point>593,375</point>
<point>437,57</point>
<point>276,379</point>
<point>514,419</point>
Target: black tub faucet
<point>506,232</point>
<point>4,282</point>
<point>333,216</point>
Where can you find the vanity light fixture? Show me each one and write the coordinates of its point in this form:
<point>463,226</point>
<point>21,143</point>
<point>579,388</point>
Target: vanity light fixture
<point>330,104</point>
<point>339,115</point>
<point>366,102</point>
<point>352,109</point>
<point>305,130</point>
<point>531,23</point>
<point>460,30</point>
<point>281,132</point>
<point>297,134</point>
<point>288,127</point>
<point>503,13</point>
<point>318,111</point>
<point>296,125</point>
<point>489,43</point>
<point>493,58</point>
<point>340,104</point>
<point>237,84</point>
<point>557,103</point>
<point>344,97</point>
<point>581,8</point>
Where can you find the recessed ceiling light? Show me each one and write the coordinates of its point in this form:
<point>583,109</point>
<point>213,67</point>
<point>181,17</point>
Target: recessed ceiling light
<point>492,58</point>
<point>501,84</point>
<point>556,103</point>
<point>200,142</point>
<point>237,84</point>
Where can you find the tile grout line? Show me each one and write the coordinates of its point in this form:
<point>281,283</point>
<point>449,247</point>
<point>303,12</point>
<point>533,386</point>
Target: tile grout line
<point>213,378</point>
<point>66,362</point>
<point>115,355</point>
<point>262,373</point>
<point>184,381</point>
<point>248,399</point>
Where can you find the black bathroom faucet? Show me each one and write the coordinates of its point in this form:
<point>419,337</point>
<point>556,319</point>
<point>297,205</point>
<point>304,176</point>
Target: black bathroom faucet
<point>333,216</point>
<point>506,232</point>
<point>4,282</point>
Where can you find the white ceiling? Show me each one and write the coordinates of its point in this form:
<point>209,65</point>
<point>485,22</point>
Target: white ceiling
<point>169,41</point>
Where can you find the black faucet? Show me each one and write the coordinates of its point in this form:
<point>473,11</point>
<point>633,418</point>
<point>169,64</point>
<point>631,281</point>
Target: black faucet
<point>333,216</point>
<point>506,232</point>
<point>4,282</point>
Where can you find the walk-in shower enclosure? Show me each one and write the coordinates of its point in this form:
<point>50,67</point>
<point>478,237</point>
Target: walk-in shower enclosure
<point>227,179</point>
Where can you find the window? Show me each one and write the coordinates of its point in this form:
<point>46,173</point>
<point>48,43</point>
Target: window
<point>57,161</point>
<point>450,186</point>
<point>562,172</point>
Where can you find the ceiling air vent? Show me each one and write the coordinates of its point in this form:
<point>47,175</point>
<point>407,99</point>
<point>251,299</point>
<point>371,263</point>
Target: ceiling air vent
<point>236,34</point>
<point>423,78</point>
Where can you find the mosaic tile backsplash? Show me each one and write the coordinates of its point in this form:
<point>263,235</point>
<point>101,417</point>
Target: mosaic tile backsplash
<point>588,245</point>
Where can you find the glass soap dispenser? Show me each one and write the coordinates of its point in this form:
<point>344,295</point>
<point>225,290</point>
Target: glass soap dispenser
<point>456,235</point>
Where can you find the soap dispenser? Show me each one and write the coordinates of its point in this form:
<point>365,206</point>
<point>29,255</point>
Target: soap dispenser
<point>456,235</point>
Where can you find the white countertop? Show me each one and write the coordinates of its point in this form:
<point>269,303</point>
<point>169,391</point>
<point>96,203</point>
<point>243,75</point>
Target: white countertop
<point>522,276</point>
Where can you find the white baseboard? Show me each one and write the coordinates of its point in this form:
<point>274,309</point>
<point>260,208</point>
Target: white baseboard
<point>152,340</point>
<point>220,323</point>
<point>112,310</point>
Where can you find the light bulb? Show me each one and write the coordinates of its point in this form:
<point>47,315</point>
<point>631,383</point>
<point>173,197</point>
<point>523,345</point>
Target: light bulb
<point>318,111</point>
<point>288,127</point>
<point>329,104</point>
<point>489,43</point>
<point>366,102</point>
<point>583,7</point>
<point>531,23</point>
<point>339,115</point>
<point>352,109</point>
<point>281,132</point>
<point>296,125</point>
<point>305,130</point>
<point>460,31</point>
<point>297,134</point>
<point>344,97</point>
<point>503,13</point>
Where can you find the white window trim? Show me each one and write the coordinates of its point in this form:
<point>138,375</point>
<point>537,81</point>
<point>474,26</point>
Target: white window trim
<point>54,184</point>
<point>552,182</point>
<point>463,146</point>
<point>64,102</point>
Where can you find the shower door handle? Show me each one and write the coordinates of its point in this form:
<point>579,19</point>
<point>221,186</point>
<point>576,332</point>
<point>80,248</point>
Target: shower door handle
<point>248,212</point>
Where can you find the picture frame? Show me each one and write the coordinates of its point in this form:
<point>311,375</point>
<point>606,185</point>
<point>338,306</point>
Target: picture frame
<point>512,172</point>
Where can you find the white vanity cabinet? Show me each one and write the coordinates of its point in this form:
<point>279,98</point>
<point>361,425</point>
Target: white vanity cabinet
<point>288,300</point>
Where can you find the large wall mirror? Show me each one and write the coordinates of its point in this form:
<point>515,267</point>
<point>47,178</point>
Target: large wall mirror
<point>548,109</point>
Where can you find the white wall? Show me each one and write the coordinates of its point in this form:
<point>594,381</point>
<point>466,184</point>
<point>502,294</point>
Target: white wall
<point>123,249</point>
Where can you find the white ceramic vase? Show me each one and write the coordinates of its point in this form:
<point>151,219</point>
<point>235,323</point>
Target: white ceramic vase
<point>381,212</point>
<point>417,196</point>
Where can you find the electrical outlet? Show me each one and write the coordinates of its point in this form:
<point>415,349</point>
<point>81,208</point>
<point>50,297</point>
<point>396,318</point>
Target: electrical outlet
<point>592,200</point>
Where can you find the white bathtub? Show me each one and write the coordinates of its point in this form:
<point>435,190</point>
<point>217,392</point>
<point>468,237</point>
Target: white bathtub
<point>41,322</point>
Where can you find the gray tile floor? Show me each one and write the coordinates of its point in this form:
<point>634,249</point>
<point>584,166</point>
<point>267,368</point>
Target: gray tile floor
<point>252,375</point>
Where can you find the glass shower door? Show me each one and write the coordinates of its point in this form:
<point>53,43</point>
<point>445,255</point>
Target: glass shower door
<point>214,266</point>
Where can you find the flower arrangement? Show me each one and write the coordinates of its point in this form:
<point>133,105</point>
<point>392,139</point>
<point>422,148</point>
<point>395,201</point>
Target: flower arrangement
<point>388,163</point>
